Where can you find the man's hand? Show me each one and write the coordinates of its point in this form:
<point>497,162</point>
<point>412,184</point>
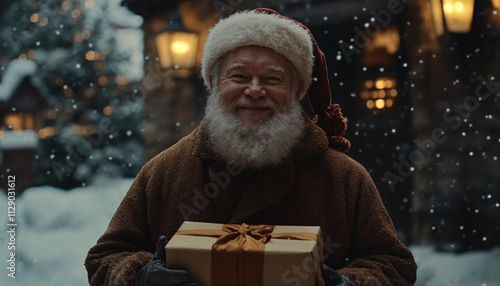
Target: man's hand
<point>333,278</point>
<point>154,272</point>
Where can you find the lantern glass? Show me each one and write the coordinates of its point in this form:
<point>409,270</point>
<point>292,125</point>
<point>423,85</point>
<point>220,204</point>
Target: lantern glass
<point>458,15</point>
<point>177,49</point>
<point>496,4</point>
<point>437,16</point>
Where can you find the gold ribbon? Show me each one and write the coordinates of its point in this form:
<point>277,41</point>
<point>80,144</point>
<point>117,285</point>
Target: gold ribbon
<point>239,250</point>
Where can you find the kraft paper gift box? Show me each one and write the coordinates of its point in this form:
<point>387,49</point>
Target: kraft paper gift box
<point>234,254</point>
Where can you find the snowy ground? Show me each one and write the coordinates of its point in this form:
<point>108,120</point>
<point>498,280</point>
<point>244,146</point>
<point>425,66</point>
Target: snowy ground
<point>56,228</point>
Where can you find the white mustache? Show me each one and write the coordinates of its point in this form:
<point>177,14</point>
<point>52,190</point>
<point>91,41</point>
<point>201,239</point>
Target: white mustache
<point>247,102</point>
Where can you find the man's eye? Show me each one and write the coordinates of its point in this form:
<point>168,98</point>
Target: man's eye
<point>238,76</point>
<point>273,79</point>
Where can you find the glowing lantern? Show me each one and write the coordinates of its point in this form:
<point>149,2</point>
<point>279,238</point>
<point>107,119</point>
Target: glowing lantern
<point>458,15</point>
<point>177,47</point>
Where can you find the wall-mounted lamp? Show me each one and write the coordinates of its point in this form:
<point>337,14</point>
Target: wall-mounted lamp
<point>177,46</point>
<point>457,15</point>
<point>496,4</point>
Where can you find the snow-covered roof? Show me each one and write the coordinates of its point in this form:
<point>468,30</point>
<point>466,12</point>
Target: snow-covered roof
<point>16,71</point>
<point>12,140</point>
<point>117,15</point>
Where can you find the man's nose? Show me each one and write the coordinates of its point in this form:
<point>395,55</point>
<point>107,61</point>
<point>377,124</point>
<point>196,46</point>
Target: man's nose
<point>255,89</point>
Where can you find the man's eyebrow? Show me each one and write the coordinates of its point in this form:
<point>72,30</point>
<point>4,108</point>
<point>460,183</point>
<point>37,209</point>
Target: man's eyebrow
<point>235,66</point>
<point>239,66</point>
<point>275,68</point>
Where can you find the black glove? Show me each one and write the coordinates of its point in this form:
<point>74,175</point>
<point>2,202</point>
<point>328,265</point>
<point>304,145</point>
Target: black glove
<point>154,272</point>
<point>333,278</point>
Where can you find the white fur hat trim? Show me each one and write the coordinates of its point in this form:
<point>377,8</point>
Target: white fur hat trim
<point>254,28</point>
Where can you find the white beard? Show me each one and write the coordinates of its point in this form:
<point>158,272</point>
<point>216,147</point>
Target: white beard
<point>253,147</point>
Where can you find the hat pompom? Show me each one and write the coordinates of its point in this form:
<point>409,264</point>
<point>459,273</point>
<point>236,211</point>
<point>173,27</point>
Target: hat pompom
<point>333,123</point>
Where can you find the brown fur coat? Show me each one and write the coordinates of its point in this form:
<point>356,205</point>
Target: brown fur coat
<point>316,186</point>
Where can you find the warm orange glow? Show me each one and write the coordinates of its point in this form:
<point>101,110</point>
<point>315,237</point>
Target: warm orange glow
<point>13,121</point>
<point>437,16</point>
<point>381,93</point>
<point>177,50</point>
<point>496,4</point>
<point>393,92</point>
<point>180,47</point>
<point>389,83</point>
<point>121,80</point>
<point>29,121</point>
<point>380,83</point>
<point>388,39</point>
<point>458,15</point>
<point>19,120</point>
<point>91,56</point>
<point>31,54</point>
<point>102,80</point>
<point>35,18</point>
<point>46,132</point>
<point>23,56</point>
<point>368,84</point>
<point>108,110</point>
<point>370,104</point>
<point>380,103</point>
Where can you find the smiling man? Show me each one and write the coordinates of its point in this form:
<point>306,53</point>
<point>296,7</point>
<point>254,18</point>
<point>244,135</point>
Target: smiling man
<point>257,158</point>
<point>253,112</point>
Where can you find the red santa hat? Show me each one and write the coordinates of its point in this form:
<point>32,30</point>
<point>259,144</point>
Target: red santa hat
<point>266,28</point>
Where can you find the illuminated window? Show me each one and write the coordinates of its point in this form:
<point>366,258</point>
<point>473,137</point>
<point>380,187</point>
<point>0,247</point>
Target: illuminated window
<point>379,93</point>
<point>19,121</point>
